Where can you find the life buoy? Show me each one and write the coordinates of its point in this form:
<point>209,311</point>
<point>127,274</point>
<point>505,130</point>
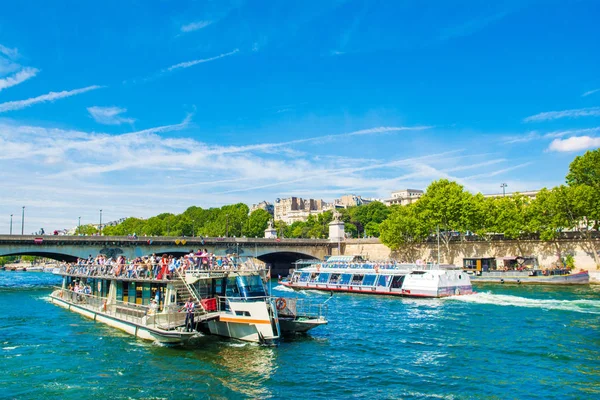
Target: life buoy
<point>318,267</point>
<point>377,269</point>
<point>280,303</point>
<point>104,306</point>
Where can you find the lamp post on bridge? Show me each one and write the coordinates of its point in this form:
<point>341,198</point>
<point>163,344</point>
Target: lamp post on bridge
<point>79,226</point>
<point>503,186</point>
<point>11,223</point>
<point>100,225</point>
<point>23,221</point>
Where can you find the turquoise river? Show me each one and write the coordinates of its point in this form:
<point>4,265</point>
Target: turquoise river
<point>518,342</point>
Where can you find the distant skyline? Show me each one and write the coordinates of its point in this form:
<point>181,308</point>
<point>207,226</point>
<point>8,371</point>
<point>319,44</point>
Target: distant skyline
<point>138,108</point>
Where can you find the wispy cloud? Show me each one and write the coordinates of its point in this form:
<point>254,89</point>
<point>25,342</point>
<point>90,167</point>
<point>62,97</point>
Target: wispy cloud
<point>194,26</point>
<point>19,77</point>
<point>576,113</point>
<point>109,115</point>
<point>269,146</point>
<point>471,27</point>
<point>570,132</point>
<point>533,135</point>
<point>590,92</point>
<point>575,143</point>
<point>497,172</point>
<point>10,53</point>
<point>20,104</point>
<point>188,64</point>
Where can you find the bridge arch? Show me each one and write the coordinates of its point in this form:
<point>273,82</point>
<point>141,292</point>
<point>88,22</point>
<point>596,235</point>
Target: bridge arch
<point>282,261</point>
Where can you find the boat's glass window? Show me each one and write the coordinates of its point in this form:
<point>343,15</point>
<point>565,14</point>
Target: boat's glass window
<point>251,286</point>
<point>357,279</point>
<point>345,279</point>
<point>334,278</point>
<point>138,293</point>
<point>369,280</point>
<point>314,276</point>
<point>384,280</point>
<point>397,281</point>
<point>323,278</point>
<point>125,292</point>
<point>232,288</point>
<point>304,277</point>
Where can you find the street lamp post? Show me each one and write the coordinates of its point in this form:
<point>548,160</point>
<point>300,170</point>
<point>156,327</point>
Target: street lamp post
<point>11,223</point>
<point>79,226</point>
<point>23,221</point>
<point>100,225</point>
<point>503,186</point>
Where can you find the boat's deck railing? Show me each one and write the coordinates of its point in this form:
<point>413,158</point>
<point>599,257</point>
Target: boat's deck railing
<point>301,307</point>
<point>146,271</point>
<point>372,267</point>
<point>166,318</point>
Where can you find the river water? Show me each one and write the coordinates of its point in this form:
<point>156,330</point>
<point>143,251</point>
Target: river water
<point>536,342</point>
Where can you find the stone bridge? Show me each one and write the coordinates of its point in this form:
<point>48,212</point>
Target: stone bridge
<point>280,253</point>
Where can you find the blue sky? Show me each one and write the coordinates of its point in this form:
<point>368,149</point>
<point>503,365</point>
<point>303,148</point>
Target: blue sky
<point>142,107</point>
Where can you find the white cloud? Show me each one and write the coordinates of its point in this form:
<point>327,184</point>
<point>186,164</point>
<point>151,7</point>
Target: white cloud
<point>10,53</point>
<point>194,26</point>
<point>522,138</point>
<point>19,77</point>
<point>188,64</point>
<point>19,104</point>
<point>590,92</point>
<point>570,132</point>
<point>109,115</point>
<point>575,143</point>
<point>576,113</point>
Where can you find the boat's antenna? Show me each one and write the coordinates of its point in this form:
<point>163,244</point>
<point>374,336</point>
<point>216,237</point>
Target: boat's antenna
<point>438,244</point>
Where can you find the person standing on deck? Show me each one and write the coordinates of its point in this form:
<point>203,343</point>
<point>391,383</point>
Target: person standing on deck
<point>189,314</point>
<point>164,265</point>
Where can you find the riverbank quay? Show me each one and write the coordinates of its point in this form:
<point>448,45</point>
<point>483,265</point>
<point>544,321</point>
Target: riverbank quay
<point>509,342</point>
<point>546,252</point>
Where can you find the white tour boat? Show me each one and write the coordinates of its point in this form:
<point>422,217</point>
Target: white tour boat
<point>355,275</point>
<point>228,302</point>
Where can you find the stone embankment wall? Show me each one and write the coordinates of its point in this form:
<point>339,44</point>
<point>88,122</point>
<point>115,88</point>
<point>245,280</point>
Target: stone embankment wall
<point>547,252</point>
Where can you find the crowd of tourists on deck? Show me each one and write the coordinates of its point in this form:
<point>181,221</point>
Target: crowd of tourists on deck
<point>152,267</point>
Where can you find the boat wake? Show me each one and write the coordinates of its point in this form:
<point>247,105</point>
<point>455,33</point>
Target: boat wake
<point>582,305</point>
<point>281,288</point>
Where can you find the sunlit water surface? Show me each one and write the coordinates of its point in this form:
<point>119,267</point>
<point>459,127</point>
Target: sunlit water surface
<point>504,342</point>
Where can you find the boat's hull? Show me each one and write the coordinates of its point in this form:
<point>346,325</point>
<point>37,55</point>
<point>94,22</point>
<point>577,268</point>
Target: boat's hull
<point>137,330</point>
<point>580,278</point>
<point>299,325</point>
<point>413,292</point>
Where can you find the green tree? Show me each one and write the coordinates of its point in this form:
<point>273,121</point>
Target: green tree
<point>257,223</point>
<point>585,170</point>
<point>403,227</point>
<point>483,216</point>
<point>514,217</point>
<point>444,205</point>
<point>90,230</point>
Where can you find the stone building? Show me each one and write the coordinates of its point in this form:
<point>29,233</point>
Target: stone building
<point>263,205</point>
<point>295,209</point>
<point>404,197</point>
